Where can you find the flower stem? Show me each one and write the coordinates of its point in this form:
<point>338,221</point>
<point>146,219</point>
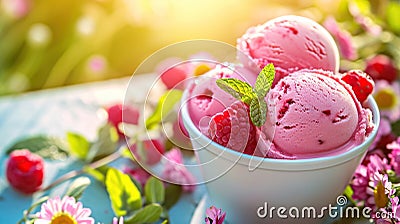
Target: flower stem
<point>101,162</point>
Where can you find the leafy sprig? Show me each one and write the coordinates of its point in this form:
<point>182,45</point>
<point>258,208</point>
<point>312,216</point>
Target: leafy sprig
<point>254,97</point>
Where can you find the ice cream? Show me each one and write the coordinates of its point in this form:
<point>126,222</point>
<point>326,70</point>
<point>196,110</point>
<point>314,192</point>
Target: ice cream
<point>207,99</point>
<point>312,109</point>
<point>290,43</point>
<point>314,113</point>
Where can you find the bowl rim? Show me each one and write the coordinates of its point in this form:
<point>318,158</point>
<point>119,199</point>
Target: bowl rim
<point>283,164</point>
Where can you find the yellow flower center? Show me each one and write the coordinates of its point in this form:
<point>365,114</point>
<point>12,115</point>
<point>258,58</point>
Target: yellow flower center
<point>386,98</point>
<point>63,218</point>
<point>201,69</point>
<point>380,197</point>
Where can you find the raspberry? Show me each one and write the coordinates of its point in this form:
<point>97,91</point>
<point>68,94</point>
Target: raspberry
<point>360,82</point>
<point>173,77</point>
<point>233,128</point>
<point>25,171</point>
<point>381,67</point>
<point>130,115</point>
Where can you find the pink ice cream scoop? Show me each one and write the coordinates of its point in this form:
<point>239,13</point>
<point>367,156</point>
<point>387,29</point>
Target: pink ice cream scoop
<point>207,99</point>
<point>314,113</point>
<point>290,43</point>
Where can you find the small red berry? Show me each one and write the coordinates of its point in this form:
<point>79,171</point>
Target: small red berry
<point>360,82</point>
<point>122,113</point>
<point>233,128</point>
<point>381,67</point>
<point>25,171</point>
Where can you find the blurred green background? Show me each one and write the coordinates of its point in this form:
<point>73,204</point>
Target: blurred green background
<point>47,43</point>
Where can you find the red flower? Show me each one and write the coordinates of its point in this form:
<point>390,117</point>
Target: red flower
<point>381,67</point>
<point>119,113</point>
<point>25,171</point>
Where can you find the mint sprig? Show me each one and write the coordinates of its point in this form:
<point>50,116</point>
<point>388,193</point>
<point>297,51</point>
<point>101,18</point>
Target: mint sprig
<point>254,97</point>
<point>237,88</point>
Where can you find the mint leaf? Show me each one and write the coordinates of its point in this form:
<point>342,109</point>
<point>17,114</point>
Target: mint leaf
<point>258,111</point>
<point>106,143</point>
<point>237,88</point>
<point>149,214</point>
<point>264,80</point>
<point>124,195</point>
<point>172,194</point>
<point>154,191</point>
<point>164,107</point>
<point>78,145</point>
<point>44,146</point>
<point>77,187</point>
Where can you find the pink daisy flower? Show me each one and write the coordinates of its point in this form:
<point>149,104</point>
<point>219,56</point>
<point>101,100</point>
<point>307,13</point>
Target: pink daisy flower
<point>394,155</point>
<point>365,179</point>
<point>65,210</point>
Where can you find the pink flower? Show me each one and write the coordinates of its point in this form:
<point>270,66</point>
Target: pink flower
<point>16,8</point>
<point>394,155</point>
<point>365,22</point>
<point>360,183</point>
<point>380,191</point>
<point>214,216</point>
<point>377,164</point>
<point>65,210</point>
<point>342,37</point>
<point>365,178</point>
<point>176,172</point>
<point>395,208</point>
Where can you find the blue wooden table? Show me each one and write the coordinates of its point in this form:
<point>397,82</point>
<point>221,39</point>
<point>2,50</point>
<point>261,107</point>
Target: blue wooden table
<point>56,111</point>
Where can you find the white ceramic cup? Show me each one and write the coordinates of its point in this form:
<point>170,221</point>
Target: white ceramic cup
<point>315,182</point>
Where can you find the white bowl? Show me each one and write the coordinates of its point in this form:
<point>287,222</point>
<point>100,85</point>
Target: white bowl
<point>315,182</point>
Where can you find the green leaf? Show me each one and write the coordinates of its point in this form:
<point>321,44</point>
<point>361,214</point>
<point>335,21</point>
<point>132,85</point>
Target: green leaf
<point>126,153</point>
<point>149,214</point>
<point>164,107</point>
<point>124,195</point>
<point>154,191</point>
<point>77,187</point>
<point>99,174</point>
<point>237,88</point>
<point>44,146</point>
<point>393,16</point>
<point>264,80</point>
<point>35,204</point>
<point>78,145</point>
<point>172,194</point>
<point>348,192</point>
<point>396,128</point>
<point>106,143</point>
<point>258,111</point>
